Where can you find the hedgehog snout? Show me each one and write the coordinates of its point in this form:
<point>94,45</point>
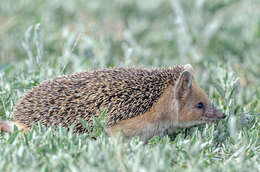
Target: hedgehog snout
<point>213,113</point>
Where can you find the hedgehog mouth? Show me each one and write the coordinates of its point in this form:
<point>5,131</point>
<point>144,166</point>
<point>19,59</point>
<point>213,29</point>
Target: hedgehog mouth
<point>209,119</point>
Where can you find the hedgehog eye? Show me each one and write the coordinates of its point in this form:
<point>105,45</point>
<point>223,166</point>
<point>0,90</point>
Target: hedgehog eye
<point>200,105</point>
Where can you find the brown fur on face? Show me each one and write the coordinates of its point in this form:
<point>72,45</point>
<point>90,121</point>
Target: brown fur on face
<point>188,96</point>
<point>188,110</point>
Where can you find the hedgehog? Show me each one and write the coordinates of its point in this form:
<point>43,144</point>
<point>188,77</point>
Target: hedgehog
<point>138,101</point>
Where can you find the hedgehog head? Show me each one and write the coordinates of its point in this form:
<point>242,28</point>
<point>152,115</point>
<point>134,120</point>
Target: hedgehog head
<point>194,106</point>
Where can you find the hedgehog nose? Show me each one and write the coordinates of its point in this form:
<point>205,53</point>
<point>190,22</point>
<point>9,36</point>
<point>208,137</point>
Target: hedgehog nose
<point>223,115</point>
<point>220,115</point>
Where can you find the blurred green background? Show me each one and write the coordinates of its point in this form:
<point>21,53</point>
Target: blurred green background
<point>42,39</point>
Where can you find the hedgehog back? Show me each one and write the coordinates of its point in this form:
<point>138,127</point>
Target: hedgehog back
<point>124,92</point>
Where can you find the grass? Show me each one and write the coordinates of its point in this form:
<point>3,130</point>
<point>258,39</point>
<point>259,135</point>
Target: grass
<point>46,38</point>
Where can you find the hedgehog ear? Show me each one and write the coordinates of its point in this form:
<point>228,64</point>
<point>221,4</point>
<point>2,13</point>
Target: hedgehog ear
<point>189,68</point>
<point>183,86</point>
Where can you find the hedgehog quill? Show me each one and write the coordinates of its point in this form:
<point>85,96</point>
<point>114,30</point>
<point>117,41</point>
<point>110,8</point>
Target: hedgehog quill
<point>139,102</point>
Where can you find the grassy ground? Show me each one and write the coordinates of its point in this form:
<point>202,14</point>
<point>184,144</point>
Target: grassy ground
<point>221,39</point>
